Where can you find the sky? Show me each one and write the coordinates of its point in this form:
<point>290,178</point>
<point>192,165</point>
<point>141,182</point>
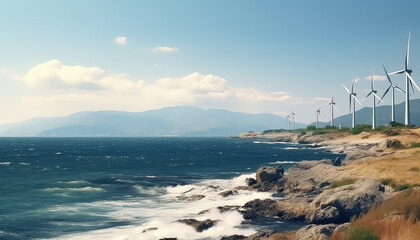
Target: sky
<point>265,56</point>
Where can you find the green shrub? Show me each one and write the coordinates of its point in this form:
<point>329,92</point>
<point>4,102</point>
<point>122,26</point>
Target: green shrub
<point>273,131</point>
<point>360,233</point>
<point>414,169</point>
<point>330,127</point>
<point>361,128</point>
<point>310,128</point>
<point>342,182</point>
<point>415,145</point>
<point>396,124</point>
<point>386,181</point>
<point>402,187</point>
<point>320,131</point>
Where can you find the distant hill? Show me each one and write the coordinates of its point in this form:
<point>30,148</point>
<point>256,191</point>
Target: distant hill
<point>383,115</point>
<point>170,121</point>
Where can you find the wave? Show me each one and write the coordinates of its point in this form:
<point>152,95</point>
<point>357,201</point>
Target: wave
<point>4,163</point>
<point>24,163</point>
<point>163,208</point>
<point>83,189</point>
<point>291,148</point>
<point>271,142</point>
<point>283,162</point>
<point>76,182</point>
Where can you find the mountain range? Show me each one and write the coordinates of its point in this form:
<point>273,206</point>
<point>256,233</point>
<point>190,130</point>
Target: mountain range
<point>169,121</point>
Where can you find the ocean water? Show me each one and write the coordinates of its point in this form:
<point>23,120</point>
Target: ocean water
<point>117,188</point>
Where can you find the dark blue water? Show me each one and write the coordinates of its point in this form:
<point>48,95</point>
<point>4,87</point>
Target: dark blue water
<point>53,187</point>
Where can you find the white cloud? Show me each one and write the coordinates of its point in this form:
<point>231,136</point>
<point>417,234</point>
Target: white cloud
<point>121,40</point>
<point>376,78</point>
<point>155,65</point>
<point>164,49</point>
<point>322,99</point>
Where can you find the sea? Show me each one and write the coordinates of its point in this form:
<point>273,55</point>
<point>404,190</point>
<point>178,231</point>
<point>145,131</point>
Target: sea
<point>135,188</point>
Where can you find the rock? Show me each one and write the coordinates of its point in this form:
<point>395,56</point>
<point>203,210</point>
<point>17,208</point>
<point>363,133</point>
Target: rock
<point>199,226</point>
<point>315,232</point>
<point>234,237</point>
<point>329,214</point>
<point>337,162</point>
<point>223,209</point>
<point>250,181</point>
<point>343,227</point>
<point>227,193</point>
<point>191,198</point>
<point>150,229</point>
<point>168,238</point>
<point>350,201</point>
<point>261,235</point>
<point>392,143</point>
<point>269,174</point>
<point>260,208</point>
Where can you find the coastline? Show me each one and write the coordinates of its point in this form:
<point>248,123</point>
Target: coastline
<point>327,194</point>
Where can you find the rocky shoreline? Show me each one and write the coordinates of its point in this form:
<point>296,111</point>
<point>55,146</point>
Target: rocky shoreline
<point>321,193</point>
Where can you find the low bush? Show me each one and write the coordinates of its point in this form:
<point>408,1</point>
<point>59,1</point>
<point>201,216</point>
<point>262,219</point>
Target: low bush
<point>310,127</point>
<point>273,131</point>
<point>414,169</point>
<point>342,182</point>
<point>361,128</point>
<point>361,233</point>
<point>415,145</point>
<point>386,181</point>
<point>396,124</point>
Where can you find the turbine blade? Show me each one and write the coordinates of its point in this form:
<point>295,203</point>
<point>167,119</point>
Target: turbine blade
<point>407,54</point>
<point>397,72</point>
<point>346,88</point>
<point>387,76</point>
<point>349,103</point>
<point>412,80</point>
<point>367,95</point>
<point>398,88</point>
<point>378,97</point>
<point>335,108</point>
<point>387,90</point>
<point>357,100</point>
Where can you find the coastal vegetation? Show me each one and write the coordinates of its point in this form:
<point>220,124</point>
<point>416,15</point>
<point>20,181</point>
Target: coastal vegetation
<point>397,218</point>
<point>342,182</point>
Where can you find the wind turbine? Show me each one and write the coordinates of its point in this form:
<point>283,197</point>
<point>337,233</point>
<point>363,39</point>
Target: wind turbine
<point>293,119</point>
<point>332,103</point>
<point>288,122</point>
<point>409,81</point>
<point>392,94</point>
<point>353,95</point>
<point>318,113</point>
<point>373,92</point>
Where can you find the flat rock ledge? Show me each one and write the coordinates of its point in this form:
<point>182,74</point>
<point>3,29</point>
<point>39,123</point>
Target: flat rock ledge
<point>199,226</point>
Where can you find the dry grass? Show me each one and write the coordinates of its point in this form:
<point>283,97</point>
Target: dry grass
<point>396,219</point>
<point>400,167</point>
<point>283,236</point>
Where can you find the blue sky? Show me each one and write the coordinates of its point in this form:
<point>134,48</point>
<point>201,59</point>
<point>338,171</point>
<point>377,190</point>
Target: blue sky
<point>60,57</point>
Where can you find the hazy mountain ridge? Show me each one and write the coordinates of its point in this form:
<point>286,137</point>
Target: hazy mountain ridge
<point>170,121</point>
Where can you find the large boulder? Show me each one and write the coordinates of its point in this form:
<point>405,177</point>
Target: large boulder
<point>315,232</point>
<point>199,226</point>
<point>326,215</point>
<point>269,174</point>
<point>260,208</point>
<point>350,200</point>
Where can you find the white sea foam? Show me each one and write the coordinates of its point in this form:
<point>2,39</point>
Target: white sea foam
<point>4,163</point>
<point>24,163</point>
<point>271,142</point>
<point>291,148</point>
<point>162,210</point>
<point>283,162</point>
<point>83,189</point>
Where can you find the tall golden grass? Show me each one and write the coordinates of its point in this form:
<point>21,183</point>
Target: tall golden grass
<point>395,219</point>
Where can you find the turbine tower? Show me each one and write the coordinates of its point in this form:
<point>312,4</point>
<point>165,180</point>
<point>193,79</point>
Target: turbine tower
<point>332,103</point>
<point>353,95</point>
<point>392,94</point>
<point>293,119</point>
<point>318,112</point>
<point>373,92</point>
<point>409,81</point>
<point>288,122</point>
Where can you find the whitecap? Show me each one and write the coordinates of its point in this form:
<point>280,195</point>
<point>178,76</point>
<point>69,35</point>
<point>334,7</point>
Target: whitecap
<point>283,162</point>
<point>291,148</point>
<point>83,189</point>
<point>24,163</point>
<point>4,163</point>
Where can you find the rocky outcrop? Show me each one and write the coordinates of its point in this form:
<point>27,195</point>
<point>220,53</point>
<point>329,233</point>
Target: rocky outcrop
<point>191,198</point>
<point>269,174</point>
<point>326,215</point>
<point>250,181</point>
<point>349,200</point>
<point>199,226</point>
<point>261,235</point>
<point>316,232</point>
<point>234,237</point>
<point>260,208</point>
<point>228,193</point>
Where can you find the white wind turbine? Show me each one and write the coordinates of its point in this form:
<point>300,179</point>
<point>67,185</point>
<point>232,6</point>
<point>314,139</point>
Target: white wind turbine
<point>318,113</point>
<point>352,94</point>
<point>409,81</point>
<point>373,92</point>
<point>293,119</point>
<point>392,94</point>
<point>288,122</point>
<point>332,103</point>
